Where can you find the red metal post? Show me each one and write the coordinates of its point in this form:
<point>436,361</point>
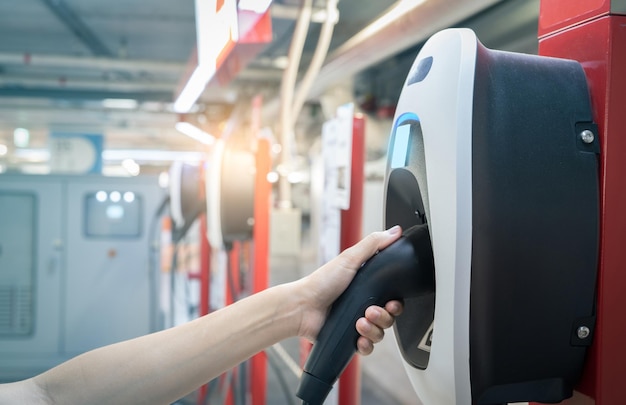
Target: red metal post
<point>351,233</point>
<point>232,281</point>
<point>260,236</point>
<point>232,291</point>
<point>205,252</point>
<point>593,33</point>
<point>205,272</point>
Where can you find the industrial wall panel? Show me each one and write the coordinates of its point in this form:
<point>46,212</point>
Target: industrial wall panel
<point>31,271</point>
<point>110,283</point>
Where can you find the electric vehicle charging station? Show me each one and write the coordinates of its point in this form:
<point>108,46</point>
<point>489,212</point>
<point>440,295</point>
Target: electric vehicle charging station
<point>496,153</point>
<point>230,187</point>
<point>237,207</point>
<point>187,200</point>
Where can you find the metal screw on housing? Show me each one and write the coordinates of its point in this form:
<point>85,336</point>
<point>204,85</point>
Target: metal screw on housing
<point>587,136</point>
<point>583,332</point>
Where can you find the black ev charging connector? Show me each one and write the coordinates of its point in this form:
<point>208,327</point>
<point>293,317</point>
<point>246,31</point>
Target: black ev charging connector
<point>405,269</point>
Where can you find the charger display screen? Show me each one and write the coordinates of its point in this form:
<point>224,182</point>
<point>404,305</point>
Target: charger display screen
<point>400,146</point>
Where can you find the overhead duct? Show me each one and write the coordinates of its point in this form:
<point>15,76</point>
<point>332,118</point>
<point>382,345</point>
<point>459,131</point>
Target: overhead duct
<point>406,24</point>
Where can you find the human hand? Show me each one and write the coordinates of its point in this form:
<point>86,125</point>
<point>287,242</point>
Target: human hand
<point>322,287</point>
<point>372,325</point>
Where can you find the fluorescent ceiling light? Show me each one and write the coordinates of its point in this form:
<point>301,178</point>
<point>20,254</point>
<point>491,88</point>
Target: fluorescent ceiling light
<point>21,137</point>
<point>194,132</point>
<point>131,166</point>
<point>119,155</point>
<point>114,171</point>
<point>281,62</point>
<point>151,155</point>
<point>3,149</point>
<point>34,169</point>
<point>193,88</point>
<point>32,155</point>
<point>120,103</point>
<point>258,6</point>
<point>215,31</point>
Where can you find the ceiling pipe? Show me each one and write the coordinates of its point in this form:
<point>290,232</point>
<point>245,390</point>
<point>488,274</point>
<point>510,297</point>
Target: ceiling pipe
<point>98,63</point>
<point>287,91</point>
<point>84,94</point>
<point>49,114</point>
<point>406,24</point>
<point>66,83</point>
<point>68,79</point>
<point>321,50</point>
<point>74,23</point>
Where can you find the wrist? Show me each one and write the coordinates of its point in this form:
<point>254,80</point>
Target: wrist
<point>311,309</point>
<point>293,302</point>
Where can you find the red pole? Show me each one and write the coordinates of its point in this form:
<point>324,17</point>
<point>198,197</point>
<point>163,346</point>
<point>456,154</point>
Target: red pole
<point>232,290</point>
<point>260,236</point>
<point>205,267</point>
<point>205,274</point>
<point>594,34</point>
<point>205,251</point>
<point>351,233</point>
<point>232,281</point>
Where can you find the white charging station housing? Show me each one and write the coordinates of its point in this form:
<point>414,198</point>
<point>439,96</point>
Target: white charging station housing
<point>486,148</point>
<point>230,181</point>
<point>186,201</point>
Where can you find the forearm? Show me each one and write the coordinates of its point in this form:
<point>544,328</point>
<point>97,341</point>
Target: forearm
<point>165,366</point>
<point>162,367</point>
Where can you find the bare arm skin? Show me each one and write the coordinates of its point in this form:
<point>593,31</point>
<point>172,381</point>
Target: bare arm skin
<point>162,367</point>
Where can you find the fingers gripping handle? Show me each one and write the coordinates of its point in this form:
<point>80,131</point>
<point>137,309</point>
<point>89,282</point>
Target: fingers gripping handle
<point>404,269</point>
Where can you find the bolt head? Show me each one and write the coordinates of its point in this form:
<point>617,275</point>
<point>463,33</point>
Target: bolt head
<point>583,332</point>
<point>587,136</point>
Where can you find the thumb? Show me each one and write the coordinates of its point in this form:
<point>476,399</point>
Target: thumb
<point>356,255</point>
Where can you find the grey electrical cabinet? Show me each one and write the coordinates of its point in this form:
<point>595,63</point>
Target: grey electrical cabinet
<point>78,266</point>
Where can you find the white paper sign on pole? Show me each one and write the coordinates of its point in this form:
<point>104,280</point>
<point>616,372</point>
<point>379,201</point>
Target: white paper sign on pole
<point>330,218</point>
<point>343,155</point>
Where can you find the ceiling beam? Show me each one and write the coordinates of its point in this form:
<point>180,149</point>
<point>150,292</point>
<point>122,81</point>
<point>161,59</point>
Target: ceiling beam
<point>68,17</point>
<point>66,83</point>
<point>83,94</point>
